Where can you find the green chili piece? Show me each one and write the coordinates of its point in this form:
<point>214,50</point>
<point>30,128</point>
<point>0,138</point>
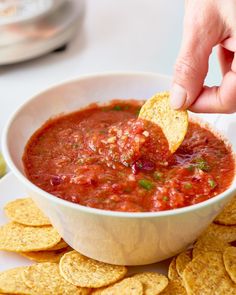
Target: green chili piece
<point>212,183</point>
<point>117,108</point>
<point>146,184</point>
<point>188,185</point>
<point>165,199</point>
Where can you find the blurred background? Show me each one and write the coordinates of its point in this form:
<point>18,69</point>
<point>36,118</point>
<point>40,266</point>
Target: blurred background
<point>43,42</point>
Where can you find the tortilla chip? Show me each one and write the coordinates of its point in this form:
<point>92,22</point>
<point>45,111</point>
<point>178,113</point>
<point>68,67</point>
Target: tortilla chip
<point>223,232</point>
<point>228,215</point>
<point>16,237</point>
<point>128,286</point>
<point>46,256</point>
<point>174,123</point>
<point>153,283</point>
<point>172,271</point>
<point>61,245</point>
<point>207,243</point>
<point>174,288</point>
<point>229,257</point>
<point>3,166</point>
<point>11,281</point>
<point>26,212</point>
<point>45,278</point>
<point>206,274</point>
<point>182,261</point>
<point>85,272</point>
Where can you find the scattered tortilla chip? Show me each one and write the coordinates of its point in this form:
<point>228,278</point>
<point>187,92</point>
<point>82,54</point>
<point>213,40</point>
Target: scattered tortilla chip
<point>172,271</point>
<point>206,274</point>
<point>16,237</point>
<point>85,272</point>
<point>228,215</point>
<point>153,283</point>
<point>182,261</point>
<point>207,243</point>
<point>11,281</point>
<point>229,257</point>
<point>61,245</point>
<point>174,123</point>
<point>46,256</point>
<point>128,286</point>
<point>225,233</point>
<point>45,278</point>
<point>174,288</point>
<point>26,212</point>
<point>3,166</point>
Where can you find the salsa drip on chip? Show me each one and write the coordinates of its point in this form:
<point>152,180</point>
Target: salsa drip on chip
<point>107,157</point>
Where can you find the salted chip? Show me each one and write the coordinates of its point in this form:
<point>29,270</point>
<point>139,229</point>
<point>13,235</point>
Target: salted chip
<point>228,215</point>
<point>225,233</point>
<point>26,212</point>
<point>11,281</point>
<point>153,283</point>
<point>172,271</point>
<point>3,166</point>
<point>206,274</point>
<point>229,257</point>
<point>174,123</point>
<point>61,245</point>
<point>209,242</point>
<point>174,288</point>
<point>128,286</point>
<point>16,237</point>
<point>45,278</point>
<point>182,261</point>
<point>46,256</point>
<point>82,271</point>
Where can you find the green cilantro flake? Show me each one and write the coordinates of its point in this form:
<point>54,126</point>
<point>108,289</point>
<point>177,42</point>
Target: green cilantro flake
<point>202,164</point>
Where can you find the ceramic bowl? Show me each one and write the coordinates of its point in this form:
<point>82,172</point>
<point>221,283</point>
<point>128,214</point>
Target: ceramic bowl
<point>113,237</point>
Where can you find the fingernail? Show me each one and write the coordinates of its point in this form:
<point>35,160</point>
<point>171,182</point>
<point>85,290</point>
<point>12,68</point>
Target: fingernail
<point>178,96</point>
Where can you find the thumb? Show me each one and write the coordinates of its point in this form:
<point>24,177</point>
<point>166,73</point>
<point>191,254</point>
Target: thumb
<point>192,64</point>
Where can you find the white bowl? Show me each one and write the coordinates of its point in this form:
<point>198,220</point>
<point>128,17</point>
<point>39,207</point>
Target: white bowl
<point>113,237</point>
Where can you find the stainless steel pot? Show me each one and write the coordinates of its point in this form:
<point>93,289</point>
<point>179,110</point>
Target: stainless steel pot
<point>31,35</point>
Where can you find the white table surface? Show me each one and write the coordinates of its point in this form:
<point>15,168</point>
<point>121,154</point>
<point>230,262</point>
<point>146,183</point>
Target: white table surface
<point>124,35</point>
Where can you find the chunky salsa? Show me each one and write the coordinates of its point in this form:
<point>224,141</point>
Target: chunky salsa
<point>105,157</point>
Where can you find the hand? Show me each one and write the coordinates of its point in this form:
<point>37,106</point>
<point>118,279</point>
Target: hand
<point>207,23</point>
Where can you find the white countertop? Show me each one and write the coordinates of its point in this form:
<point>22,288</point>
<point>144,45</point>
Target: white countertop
<point>124,35</point>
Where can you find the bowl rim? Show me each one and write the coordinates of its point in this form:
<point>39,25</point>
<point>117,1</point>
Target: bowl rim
<point>90,210</point>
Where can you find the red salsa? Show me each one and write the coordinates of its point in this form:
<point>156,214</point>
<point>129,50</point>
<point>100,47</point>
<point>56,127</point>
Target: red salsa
<point>104,157</point>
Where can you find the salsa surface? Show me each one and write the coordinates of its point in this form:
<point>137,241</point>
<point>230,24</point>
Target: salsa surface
<point>104,157</point>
